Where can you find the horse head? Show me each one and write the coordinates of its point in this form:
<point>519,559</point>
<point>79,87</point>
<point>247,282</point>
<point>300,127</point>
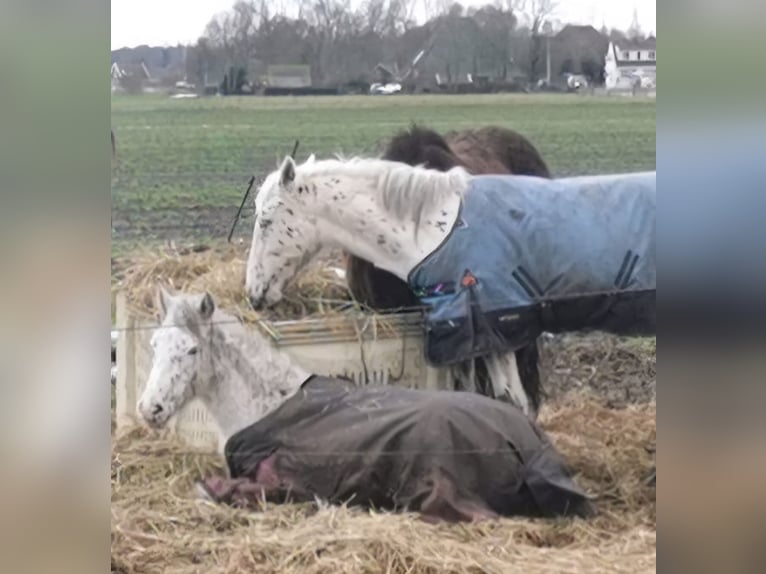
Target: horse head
<point>181,366</point>
<point>284,237</point>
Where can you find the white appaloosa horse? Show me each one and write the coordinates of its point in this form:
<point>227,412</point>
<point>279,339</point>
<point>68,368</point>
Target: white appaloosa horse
<point>498,259</point>
<point>201,351</point>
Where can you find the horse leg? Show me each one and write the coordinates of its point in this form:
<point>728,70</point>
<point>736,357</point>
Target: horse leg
<point>465,377</point>
<point>506,381</point>
<point>512,375</point>
<point>528,365</point>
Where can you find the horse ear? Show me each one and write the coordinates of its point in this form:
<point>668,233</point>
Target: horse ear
<point>207,306</point>
<point>163,299</point>
<point>312,158</point>
<point>287,171</point>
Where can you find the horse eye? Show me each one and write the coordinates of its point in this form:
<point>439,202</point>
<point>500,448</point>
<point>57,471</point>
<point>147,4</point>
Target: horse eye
<point>193,351</point>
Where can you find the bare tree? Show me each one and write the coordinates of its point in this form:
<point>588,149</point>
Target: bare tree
<point>327,20</point>
<point>386,17</point>
<point>538,15</point>
<point>497,24</point>
<point>220,34</point>
<point>244,24</point>
<point>341,44</point>
<point>538,12</point>
<point>200,62</point>
<point>431,9</point>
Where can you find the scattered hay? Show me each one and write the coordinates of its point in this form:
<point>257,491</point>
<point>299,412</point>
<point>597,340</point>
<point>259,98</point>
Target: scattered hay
<point>615,371</point>
<point>318,290</point>
<point>157,525</point>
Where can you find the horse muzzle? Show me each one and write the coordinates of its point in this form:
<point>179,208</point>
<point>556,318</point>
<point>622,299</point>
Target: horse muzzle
<point>266,298</point>
<point>154,415</point>
<point>257,302</point>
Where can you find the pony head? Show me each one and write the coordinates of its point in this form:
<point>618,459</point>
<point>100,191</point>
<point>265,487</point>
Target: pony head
<point>284,236</point>
<point>182,365</point>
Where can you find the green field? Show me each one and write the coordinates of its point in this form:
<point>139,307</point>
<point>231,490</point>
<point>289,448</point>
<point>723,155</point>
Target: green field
<point>182,165</point>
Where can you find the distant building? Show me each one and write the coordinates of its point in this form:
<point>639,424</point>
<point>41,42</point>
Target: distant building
<point>631,64</point>
<point>131,77</point>
<point>288,76</point>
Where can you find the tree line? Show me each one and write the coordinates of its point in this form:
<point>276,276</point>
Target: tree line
<point>343,45</point>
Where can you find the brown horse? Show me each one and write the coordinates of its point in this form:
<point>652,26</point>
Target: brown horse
<point>486,150</point>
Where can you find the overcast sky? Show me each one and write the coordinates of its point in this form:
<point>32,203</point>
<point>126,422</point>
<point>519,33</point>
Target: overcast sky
<point>168,22</point>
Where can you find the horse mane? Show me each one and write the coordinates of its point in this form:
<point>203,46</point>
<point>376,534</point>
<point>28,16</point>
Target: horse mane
<point>421,146</point>
<point>403,190</point>
<point>483,150</point>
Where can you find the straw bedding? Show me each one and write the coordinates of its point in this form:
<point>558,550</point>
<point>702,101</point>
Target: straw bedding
<point>157,525</point>
<point>600,414</point>
<point>319,290</point>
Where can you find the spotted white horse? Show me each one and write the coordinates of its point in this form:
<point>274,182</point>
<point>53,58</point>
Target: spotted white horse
<point>203,352</point>
<point>416,224</point>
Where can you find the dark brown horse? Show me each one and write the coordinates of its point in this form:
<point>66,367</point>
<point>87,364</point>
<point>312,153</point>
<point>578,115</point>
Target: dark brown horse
<point>486,150</point>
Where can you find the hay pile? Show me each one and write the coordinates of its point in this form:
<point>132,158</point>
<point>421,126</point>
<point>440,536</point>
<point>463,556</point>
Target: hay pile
<point>157,525</point>
<point>318,290</point>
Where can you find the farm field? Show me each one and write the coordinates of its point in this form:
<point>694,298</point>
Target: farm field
<point>183,165</point>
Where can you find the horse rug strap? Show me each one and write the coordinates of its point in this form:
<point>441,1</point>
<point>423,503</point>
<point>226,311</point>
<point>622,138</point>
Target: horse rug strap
<point>452,456</point>
<point>530,254</point>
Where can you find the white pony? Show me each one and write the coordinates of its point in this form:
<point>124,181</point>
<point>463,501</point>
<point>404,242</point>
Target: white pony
<point>201,351</point>
<point>388,213</point>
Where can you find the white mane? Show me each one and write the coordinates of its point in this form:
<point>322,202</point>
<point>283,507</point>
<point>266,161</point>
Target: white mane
<point>267,374</point>
<point>402,190</point>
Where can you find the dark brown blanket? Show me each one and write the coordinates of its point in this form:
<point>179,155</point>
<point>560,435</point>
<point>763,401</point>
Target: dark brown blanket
<point>449,455</point>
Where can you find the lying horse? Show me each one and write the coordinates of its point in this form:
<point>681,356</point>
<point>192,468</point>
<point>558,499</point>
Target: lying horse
<point>499,259</point>
<point>451,456</point>
<point>485,150</point>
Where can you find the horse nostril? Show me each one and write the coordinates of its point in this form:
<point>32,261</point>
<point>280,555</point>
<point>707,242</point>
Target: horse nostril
<point>156,409</point>
<point>255,302</point>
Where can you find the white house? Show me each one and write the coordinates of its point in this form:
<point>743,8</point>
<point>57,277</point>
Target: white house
<point>631,64</point>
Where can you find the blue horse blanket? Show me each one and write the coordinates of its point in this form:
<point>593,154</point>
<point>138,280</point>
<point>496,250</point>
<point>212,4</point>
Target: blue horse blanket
<point>529,255</point>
